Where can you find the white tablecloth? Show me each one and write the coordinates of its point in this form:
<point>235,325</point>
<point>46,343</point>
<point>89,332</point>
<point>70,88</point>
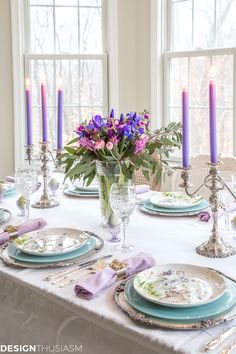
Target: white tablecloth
<point>32,311</point>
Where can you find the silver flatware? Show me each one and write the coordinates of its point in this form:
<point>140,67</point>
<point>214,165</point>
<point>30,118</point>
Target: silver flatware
<point>213,344</point>
<point>229,348</point>
<point>66,279</point>
<point>78,266</point>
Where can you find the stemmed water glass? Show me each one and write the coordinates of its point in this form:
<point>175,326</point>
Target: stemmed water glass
<point>123,201</point>
<point>26,180</point>
<point>227,199</point>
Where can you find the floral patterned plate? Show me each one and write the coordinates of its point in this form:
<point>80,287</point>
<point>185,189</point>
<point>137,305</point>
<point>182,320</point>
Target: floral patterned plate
<point>174,200</point>
<point>51,242</point>
<point>180,285</point>
<point>215,308</point>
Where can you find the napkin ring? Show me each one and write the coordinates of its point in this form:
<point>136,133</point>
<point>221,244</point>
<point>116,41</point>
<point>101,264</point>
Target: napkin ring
<point>119,267</point>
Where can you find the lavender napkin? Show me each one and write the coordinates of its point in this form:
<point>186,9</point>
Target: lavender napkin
<point>89,288</point>
<point>142,188</point>
<point>28,226</point>
<point>204,216</point>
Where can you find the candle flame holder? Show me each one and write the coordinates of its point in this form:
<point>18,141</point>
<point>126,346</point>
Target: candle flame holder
<point>45,201</point>
<point>215,247</point>
<point>29,153</point>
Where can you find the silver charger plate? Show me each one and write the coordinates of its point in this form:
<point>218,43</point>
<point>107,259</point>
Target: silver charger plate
<point>160,213</point>
<point>6,216</point>
<point>149,321</point>
<point>19,264</point>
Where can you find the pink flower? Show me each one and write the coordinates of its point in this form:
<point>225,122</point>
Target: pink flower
<point>140,144</point>
<point>100,144</point>
<point>109,145</point>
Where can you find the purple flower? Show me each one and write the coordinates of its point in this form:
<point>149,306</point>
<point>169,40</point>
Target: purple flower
<point>140,144</point>
<point>112,114</point>
<point>98,122</point>
<point>87,143</point>
<point>204,216</point>
<point>127,131</point>
<point>122,118</point>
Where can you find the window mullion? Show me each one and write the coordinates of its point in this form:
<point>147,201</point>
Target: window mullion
<point>193,25</point>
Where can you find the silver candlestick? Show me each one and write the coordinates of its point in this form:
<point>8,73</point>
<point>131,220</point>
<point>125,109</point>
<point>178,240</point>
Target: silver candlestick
<point>29,153</point>
<point>45,200</point>
<point>215,247</point>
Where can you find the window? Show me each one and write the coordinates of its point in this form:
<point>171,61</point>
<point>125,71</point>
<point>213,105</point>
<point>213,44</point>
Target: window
<point>201,45</point>
<point>66,39</point>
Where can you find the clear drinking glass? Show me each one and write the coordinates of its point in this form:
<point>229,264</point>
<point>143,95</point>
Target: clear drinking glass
<point>226,200</point>
<point>26,180</point>
<point>123,201</point>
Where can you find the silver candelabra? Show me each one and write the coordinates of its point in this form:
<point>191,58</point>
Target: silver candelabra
<point>215,247</point>
<point>45,200</point>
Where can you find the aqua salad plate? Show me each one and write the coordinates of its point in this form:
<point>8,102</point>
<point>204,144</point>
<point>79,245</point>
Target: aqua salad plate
<point>179,285</point>
<point>52,241</point>
<point>81,193</point>
<point>24,257</point>
<point>93,187</point>
<point>176,212</point>
<point>174,200</point>
<point>211,310</point>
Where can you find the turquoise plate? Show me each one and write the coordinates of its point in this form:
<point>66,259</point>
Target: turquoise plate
<point>203,205</point>
<point>221,305</point>
<point>20,256</point>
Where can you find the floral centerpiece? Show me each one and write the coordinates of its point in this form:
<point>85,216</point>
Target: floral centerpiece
<point>113,148</point>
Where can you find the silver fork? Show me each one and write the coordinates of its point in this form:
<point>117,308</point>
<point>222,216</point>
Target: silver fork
<point>71,270</point>
<point>229,348</point>
<point>219,339</point>
<point>99,265</point>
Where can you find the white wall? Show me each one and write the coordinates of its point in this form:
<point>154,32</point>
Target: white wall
<point>6,93</point>
<point>133,69</point>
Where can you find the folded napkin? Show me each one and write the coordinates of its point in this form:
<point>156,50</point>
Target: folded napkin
<point>28,226</point>
<point>142,188</point>
<point>89,288</point>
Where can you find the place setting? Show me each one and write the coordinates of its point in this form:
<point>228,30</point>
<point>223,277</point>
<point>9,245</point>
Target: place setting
<point>173,204</point>
<point>30,245</point>
<point>79,189</point>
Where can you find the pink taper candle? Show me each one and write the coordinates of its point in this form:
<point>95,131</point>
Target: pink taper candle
<point>28,113</point>
<point>185,128</point>
<point>213,133</point>
<point>44,113</point>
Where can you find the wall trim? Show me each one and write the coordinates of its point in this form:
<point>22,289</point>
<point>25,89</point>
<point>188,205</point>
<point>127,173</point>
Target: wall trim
<point>17,27</point>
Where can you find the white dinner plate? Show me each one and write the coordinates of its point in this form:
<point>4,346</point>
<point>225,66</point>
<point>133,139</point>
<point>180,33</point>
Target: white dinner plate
<point>180,285</point>
<point>174,200</point>
<point>54,241</point>
<point>81,194</point>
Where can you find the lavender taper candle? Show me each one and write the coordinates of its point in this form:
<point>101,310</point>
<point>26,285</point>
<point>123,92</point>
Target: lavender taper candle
<point>28,113</point>
<point>213,133</point>
<point>44,113</point>
<point>185,127</point>
<point>59,119</point>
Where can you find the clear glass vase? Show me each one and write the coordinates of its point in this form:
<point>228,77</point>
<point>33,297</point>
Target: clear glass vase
<point>107,174</point>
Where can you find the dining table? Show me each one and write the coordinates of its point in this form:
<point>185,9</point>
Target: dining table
<point>34,311</point>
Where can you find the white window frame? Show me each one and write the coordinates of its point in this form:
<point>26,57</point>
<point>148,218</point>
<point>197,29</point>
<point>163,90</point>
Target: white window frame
<point>160,68</point>
<point>19,57</point>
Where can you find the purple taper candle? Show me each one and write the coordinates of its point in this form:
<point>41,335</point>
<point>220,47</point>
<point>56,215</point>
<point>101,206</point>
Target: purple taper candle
<point>28,113</point>
<point>185,128</point>
<point>44,113</point>
<point>213,134</point>
<point>59,118</point>
<point>112,114</point>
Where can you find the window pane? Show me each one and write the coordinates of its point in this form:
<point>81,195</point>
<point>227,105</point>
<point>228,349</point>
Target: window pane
<point>226,24</point>
<point>225,131</point>
<point>66,2</point>
<point>223,74</point>
<point>42,69</point>
<point>90,2</point>
<point>178,79</point>
<point>42,37</point>
<point>88,112</point>
<point>36,128</point>
<point>71,119</point>
<point>68,71</point>
<point>199,79</point>
<point>199,131</point>
<point>91,83</point>
<point>204,24</point>
<point>90,30</point>
<point>41,2</point>
<point>66,30</point>
<point>182,25</point>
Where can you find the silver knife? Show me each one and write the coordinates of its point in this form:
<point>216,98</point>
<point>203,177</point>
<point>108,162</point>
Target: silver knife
<point>78,266</point>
